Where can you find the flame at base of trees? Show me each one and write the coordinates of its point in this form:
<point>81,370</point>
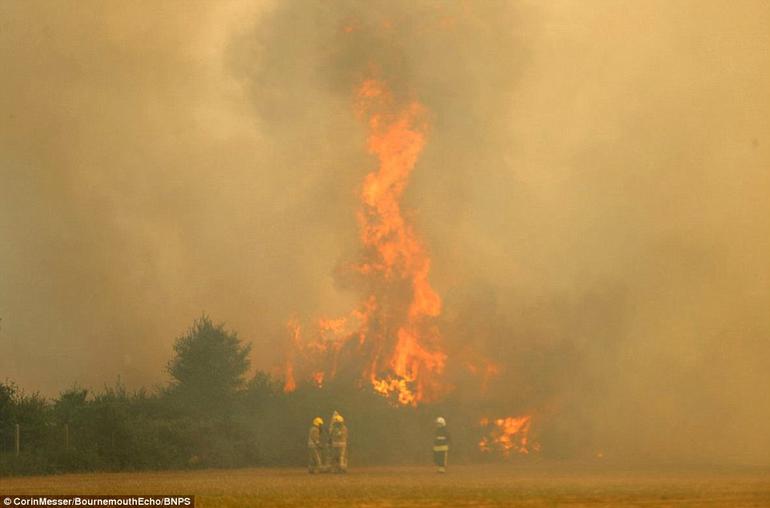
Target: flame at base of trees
<point>507,436</point>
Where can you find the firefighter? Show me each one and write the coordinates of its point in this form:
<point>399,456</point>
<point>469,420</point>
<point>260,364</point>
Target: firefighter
<point>335,414</point>
<point>315,447</point>
<point>338,437</point>
<point>441,441</point>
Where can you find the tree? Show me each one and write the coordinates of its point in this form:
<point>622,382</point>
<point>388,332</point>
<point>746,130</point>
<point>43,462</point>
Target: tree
<point>70,404</point>
<point>209,365</point>
<point>8,391</point>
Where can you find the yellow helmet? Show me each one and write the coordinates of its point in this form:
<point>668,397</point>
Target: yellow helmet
<point>318,421</point>
<point>338,418</point>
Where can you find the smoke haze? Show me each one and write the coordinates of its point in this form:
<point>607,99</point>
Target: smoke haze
<point>594,195</point>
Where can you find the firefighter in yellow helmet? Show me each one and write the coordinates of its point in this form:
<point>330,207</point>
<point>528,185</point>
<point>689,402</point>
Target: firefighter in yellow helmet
<point>338,437</point>
<point>315,447</point>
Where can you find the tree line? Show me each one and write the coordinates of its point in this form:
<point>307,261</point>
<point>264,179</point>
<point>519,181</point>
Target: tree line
<point>211,414</point>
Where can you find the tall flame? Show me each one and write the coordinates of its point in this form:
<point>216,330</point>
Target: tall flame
<point>399,344</point>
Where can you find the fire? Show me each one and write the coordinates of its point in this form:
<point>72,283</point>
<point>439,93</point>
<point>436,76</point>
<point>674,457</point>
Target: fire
<point>507,435</point>
<point>290,384</point>
<point>398,346</point>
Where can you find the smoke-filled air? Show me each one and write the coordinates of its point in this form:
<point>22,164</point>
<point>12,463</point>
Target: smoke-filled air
<point>550,220</point>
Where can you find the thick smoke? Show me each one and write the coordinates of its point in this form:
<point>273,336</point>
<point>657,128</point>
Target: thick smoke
<point>593,193</point>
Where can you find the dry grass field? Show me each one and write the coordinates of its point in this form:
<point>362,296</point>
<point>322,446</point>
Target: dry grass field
<point>469,486</point>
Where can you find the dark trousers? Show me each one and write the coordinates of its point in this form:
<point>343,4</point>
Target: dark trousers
<point>440,458</point>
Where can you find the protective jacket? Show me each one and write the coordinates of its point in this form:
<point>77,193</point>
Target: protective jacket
<point>339,435</point>
<point>441,440</point>
<point>314,437</point>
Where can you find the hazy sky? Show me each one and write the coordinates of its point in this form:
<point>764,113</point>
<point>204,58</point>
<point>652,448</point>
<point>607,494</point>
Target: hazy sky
<point>594,193</point>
